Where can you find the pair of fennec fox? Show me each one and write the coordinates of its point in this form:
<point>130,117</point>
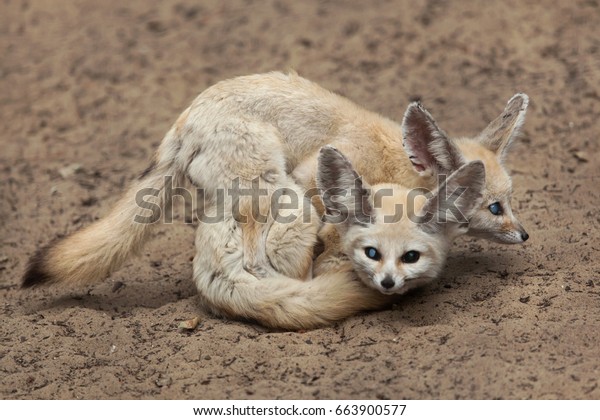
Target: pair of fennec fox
<point>283,133</point>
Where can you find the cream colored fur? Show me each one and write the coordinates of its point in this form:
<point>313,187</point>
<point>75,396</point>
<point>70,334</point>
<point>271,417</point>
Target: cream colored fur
<point>270,127</point>
<point>345,281</point>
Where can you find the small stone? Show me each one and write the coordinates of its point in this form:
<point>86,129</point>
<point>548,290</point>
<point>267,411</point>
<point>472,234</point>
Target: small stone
<point>581,157</point>
<point>163,381</point>
<point>189,324</point>
<point>70,170</point>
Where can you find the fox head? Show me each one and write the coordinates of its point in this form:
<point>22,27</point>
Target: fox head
<point>432,153</point>
<point>397,239</point>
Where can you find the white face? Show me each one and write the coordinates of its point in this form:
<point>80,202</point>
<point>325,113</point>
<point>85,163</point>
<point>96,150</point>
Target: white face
<point>495,220</point>
<point>394,258</point>
<point>392,245</point>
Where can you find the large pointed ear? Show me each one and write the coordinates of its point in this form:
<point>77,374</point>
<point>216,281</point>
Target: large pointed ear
<point>499,134</point>
<point>345,195</point>
<point>455,200</point>
<point>430,151</point>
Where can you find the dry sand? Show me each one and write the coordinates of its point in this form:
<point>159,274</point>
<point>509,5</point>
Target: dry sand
<point>98,83</point>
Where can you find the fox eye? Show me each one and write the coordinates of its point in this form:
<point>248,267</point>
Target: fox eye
<point>495,209</point>
<point>372,253</point>
<point>410,257</point>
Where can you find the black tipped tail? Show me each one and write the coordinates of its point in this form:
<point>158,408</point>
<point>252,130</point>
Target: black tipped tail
<point>36,273</point>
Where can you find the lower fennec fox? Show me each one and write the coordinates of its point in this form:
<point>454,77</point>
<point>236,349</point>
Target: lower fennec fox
<point>393,241</point>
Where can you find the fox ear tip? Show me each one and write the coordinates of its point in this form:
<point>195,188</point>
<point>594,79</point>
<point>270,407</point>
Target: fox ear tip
<point>478,165</point>
<point>414,105</point>
<point>413,110</point>
<point>476,169</point>
<point>330,151</point>
<point>522,97</point>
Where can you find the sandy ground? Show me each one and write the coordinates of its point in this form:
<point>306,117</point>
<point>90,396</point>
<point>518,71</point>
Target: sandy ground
<point>98,83</point>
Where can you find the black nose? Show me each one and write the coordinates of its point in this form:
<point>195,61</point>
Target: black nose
<point>387,282</point>
<point>524,236</point>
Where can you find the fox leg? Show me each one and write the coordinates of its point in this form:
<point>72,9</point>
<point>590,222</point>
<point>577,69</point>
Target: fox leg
<point>293,233</point>
<point>254,242</point>
<point>245,159</point>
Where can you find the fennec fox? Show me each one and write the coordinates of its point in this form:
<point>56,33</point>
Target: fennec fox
<point>268,129</point>
<point>393,241</point>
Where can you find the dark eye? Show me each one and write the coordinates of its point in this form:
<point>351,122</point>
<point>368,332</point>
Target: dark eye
<point>495,209</point>
<point>372,253</point>
<point>410,257</point>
